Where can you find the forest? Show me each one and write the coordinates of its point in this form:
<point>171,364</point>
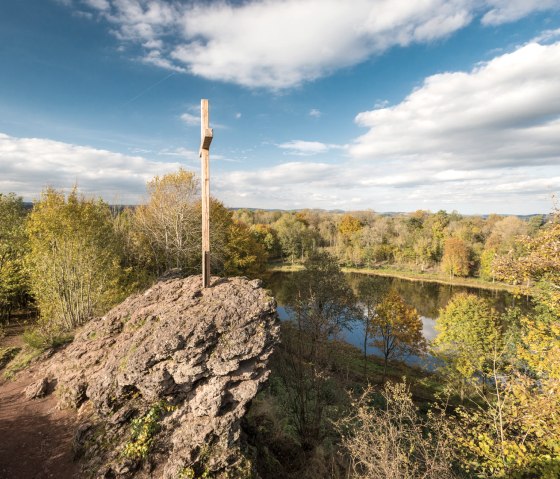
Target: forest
<point>490,409</point>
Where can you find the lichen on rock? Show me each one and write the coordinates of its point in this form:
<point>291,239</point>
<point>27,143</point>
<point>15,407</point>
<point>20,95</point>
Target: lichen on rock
<point>162,380</point>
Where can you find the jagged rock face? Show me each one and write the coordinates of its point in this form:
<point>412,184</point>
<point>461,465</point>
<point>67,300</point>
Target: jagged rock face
<point>196,356</point>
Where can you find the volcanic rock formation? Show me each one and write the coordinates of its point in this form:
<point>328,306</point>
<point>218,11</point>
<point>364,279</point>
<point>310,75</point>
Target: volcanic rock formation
<point>162,381</point>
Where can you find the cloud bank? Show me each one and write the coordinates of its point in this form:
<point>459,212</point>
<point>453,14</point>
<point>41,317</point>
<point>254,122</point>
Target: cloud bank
<point>503,113</point>
<point>490,136</point>
<point>279,44</point>
<point>308,148</point>
<point>482,140</point>
<point>27,165</point>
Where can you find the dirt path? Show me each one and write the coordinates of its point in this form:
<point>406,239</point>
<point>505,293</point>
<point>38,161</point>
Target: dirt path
<point>35,438</point>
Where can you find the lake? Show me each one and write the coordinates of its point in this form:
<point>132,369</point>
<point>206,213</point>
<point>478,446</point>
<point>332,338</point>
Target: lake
<point>427,297</point>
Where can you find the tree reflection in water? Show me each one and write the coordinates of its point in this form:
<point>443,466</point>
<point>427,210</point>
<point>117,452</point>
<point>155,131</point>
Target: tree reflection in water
<point>427,297</point>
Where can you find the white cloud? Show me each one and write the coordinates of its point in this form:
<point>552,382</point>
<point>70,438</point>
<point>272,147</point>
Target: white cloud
<point>190,119</point>
<point>27,165</point>
<point>292,172</point>
<point>479,141</point>
<point>503,11</point>
<point>315,113</point>
<point>305,148</point>
<point>503,113</point>
<point>273,43</point>
<point>185,153</point>
<point>81,14</point>
<point>359,185</point>
<point>154,57</point>
<point>237,116</point>
<point>102,5</point>
<point>547,36</point>
<point>153,44</point>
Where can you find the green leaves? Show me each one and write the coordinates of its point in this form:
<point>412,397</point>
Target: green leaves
<point>469,334</point>
<point>73,261</point>
<point>14,284</point>
<point>144,429</point>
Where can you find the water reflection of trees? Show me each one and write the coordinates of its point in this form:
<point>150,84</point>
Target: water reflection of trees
<point>427,297</point>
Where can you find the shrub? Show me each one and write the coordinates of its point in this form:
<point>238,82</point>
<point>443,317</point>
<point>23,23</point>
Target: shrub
<point>73,261</point>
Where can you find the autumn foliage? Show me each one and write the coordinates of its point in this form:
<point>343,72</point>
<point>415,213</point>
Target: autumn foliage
<point>396,329</point>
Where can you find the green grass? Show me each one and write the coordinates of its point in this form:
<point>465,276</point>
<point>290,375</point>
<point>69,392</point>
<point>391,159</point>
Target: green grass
<point>285,267</point>
<point>434,278</point>
<point>7,354</point>
<point>409,275</point>
<point>23,359</point>
<point>349,362</point>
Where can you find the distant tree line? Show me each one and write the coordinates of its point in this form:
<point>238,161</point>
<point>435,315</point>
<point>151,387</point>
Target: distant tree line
<point>421,241</point>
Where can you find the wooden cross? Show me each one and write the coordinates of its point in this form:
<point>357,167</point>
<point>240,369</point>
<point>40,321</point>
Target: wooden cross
<point>206,136</point>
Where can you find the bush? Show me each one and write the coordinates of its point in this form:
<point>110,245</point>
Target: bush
<point>73,261</point>
<point>395,442</point>
<point>14,287</point>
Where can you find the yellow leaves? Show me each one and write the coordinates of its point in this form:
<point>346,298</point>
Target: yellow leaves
<point>349,225</point>
<point>541,348</point>
<point>469,334</point>
<point>74,258</point>
<point>398,327</point>
<point>538,262</point>
<point>455,260</point>
<point>244,255</point>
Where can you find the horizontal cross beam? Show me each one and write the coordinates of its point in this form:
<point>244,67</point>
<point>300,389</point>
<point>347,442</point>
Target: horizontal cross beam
<point>206,140</point>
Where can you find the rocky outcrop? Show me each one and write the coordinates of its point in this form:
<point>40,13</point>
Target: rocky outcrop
<point>162,381</point>
<point>37,390</point>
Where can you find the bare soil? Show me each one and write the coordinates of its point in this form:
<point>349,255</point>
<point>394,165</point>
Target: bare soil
<point>35,437</point>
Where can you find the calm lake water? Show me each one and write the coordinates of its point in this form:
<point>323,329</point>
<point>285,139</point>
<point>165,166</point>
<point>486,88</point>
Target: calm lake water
<point>427,297</point>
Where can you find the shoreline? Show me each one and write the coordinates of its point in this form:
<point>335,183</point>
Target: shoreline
<point>410,276</point>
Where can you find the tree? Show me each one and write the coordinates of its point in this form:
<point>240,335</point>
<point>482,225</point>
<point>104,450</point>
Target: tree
<point>537,261</point>
<point>397,328</point>
<point>74,267</point>
<point>169,225</point>
<point>395,441</point>
<point>455,259</point>
<point>294,236</point>
<point>486,271</point>
<point>369,291</point>
<point>322,304</point>
<point>521,422</point>
<point>221,233</point>
<point>267,236</point>
<point>325,301</point>
<point>14,285</point>
<point>244,255</point>
<point>504,233</point>
<point>348,226</point>
<point>437,223</point>
<point>512,429</point>
<point>469,335</point>
<point>167,231</point>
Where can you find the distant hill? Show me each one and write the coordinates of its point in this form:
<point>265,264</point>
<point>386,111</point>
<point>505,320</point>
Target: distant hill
<point>29,205</point>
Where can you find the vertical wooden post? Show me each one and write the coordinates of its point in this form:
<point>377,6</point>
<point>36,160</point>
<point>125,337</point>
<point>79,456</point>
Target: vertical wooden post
<point>206,139</point>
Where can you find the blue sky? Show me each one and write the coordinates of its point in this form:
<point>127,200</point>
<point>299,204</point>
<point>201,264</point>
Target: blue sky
<point>388,105</point>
